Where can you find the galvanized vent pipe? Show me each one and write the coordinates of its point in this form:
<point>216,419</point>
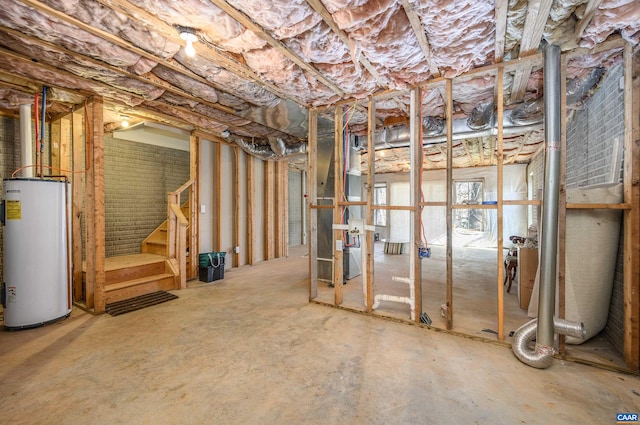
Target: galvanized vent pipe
<point>542,354</point>
<point>26,142</point>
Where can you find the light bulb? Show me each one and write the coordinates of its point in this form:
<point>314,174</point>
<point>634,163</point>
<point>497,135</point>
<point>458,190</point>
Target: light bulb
<point>189,36</point>
<point>125,123</point>
<point>125,120</point>
<point>189,50</point>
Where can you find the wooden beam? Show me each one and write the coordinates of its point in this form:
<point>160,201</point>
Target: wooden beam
<point>338,238</point>
<point>535,21</point>
<point>54,147</point>
<point>312,199</point>
<point>278,231</point>
<point>362,59</point>
<point>245,20</point>
<point>631,266</point>
<point>449,248</point>
<point>500,194</point>
<point>421,35</point>
<point>501,10</point>
<point>77,199</point>
<point>95,252</point>
<point>589,11</point>
<point>562,199</point>
<point>65,146</point>
<point>369,268</point>
<point>269,210</point>
<point>415,142</point>
<point>194,210</point>
<point>251,188</point>
<point>236,204</point>
<point>218,196</point>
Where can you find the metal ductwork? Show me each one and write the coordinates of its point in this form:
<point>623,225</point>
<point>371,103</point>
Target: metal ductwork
<point>275,149</point>
<point>546,326</point>
<point>481,117</point>
<point>541,356</point>
<point>528,113</point>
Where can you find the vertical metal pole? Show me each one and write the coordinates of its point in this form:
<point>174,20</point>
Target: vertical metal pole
<point>549,233</point>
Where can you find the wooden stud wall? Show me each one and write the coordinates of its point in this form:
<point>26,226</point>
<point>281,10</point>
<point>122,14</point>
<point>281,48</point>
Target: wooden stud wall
<point>449,253</point>
<point>269,210</point>
<point>337,209</point>
<point>500,189</point>
<point>194,197</point>
<point>312,199</point>
<point>218,195</point>
<point>415,264</point>
<point>251,187</point>
<point>632,216</point>
<point>78,168</point>
<point>562,198</point>
<point>369,212</point>
<point>236,186</point>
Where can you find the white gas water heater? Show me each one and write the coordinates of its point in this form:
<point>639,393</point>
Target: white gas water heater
<point>36,218</point>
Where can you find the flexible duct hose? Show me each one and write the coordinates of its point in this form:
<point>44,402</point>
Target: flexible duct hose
<point>541,356</point>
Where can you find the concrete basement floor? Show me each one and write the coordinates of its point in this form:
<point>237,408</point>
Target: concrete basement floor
<point>251,349</point>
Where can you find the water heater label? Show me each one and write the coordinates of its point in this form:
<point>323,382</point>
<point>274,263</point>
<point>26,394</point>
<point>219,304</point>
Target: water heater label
<point>14,210</point>
<point>11,294</point>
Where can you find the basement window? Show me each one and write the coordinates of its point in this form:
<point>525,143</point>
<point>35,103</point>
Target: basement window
<point>468,192</point>
<point>380,198</point>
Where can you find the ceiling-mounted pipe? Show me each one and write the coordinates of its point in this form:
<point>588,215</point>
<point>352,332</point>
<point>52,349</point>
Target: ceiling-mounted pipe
<point>26,146</point>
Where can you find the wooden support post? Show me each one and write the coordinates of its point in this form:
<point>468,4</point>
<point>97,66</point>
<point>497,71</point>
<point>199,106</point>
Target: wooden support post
<point>562,198</point>
<point>269,210</point>
<point>95,209</point>
<point>631,265</point>
<point>449,254</point>
<point>218,195</point>
<point>236,204</point>
<point>251,187</point>
<point>500,193</point>
<point>415,264</point>
<point>284,217</point>
<point>54,148</point>
<point>65,146</point>
<point>338,241</point>
<point>369,268</point>
<point>194,206</point>
<point>312,199</point>
<point>76,188</point>
<point>278,231</point>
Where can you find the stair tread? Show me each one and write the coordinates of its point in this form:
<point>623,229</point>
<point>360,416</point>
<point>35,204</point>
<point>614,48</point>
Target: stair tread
<point>139,281</point>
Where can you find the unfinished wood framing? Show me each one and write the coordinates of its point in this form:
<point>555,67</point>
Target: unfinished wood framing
<point>338,278</point>
<point>269,210</point>
<point>631,264</point>
<point>218,197</point>
<point>54,147</point>
<point>500,193</point>
<point>369,268</point>
<point>78,168</point>
<point>194,203</point>
<point>95,252</point>
<point>236,205</point>
<point>312,199</point>
<point>251,188</point>
<point>562,199</point>
<point>449,253</point>
<point>415,264</point>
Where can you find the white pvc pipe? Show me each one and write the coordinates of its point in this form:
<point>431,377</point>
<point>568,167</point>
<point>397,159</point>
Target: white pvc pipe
<point>26,143</point>
<point>411,299</point>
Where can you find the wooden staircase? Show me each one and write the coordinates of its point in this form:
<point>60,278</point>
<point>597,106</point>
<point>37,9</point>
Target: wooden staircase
<point>156,242</point>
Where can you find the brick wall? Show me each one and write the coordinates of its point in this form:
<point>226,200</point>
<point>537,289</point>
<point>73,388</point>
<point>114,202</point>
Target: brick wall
<point>137,179</point>
<point>9,158</point>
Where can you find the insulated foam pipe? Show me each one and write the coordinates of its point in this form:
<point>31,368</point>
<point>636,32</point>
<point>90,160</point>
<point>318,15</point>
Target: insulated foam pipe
<point>26,146</point>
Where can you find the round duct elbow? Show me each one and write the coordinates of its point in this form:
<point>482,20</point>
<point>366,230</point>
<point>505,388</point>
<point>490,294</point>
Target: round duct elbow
<point>528,113</point>
<point>481,117</point>
<point>537,355</point>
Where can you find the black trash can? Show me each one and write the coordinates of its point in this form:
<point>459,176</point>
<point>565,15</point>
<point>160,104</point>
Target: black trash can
<point>211,266</point>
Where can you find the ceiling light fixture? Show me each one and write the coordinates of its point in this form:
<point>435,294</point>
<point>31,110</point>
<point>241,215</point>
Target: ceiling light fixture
<point>189,36</point>
<point>125,120</point>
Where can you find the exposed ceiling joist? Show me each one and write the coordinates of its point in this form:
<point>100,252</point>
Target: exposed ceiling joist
<point>416,25</point>
<point>277,44</point>
<point>502,7</point>
<point>590,10</point>
<point>535,21</point>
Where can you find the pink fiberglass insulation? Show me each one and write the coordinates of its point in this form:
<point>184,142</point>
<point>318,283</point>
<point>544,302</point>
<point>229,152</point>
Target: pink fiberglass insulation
<point>461,33</point>
<point>273,66</point>
<point>381,31</point>
<point>281,18</point>
<point>320,45</point>
<point>233,84</point>
<point>13,99</point>
<point>93,13</point>
<point>17,16</point>
<point>189,85</point>
<point>67,81</point>
<point>202,109</point>
<point>469,93</point>
<point>210,22</point>
<point>561,25</point>
<point>610,16</point>
<point>516,15</point>
<point>188,117</point>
